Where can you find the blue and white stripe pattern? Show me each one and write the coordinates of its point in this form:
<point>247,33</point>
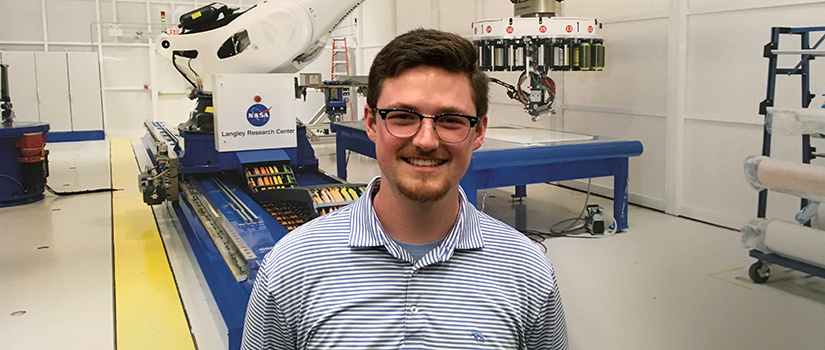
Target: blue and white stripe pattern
<point>339,282</point>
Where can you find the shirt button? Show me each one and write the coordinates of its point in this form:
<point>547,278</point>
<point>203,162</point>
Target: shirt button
<point>414,309</point>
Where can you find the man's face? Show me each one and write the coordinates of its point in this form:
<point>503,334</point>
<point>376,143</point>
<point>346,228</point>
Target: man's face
<point>423,167</point>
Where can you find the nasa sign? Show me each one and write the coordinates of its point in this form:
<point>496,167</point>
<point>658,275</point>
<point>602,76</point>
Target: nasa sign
<point>254,111</point>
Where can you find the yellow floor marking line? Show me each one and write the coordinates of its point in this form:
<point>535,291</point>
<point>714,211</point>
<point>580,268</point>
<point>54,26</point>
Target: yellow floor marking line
<point>148,309</point>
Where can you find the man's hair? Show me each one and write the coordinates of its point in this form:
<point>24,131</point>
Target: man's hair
<point>434,48</point>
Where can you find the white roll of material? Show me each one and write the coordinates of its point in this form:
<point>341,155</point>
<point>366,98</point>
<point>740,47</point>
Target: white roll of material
<point>798,179</point>
<point>796,121</point>
<point>796,241</point>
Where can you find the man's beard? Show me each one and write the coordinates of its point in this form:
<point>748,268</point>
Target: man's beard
<point>429,193</point>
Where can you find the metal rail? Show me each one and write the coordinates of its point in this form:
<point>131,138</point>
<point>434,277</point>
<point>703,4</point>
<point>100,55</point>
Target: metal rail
<point>236,203</point>
<point>232,247</point>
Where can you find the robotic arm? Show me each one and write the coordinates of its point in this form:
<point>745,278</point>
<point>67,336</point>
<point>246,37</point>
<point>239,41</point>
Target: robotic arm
<point>273,36</point>
<point>538,101</point>
<point>535,43</point>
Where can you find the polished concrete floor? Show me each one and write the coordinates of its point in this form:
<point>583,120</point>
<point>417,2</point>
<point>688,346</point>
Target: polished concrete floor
<point>664,283</point>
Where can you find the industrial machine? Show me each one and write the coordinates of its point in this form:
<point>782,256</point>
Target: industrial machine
<point>23,154</point>
<point>269,37</point>
<point>240,172</point>
<point>535,43</point>
<point>338,94</point>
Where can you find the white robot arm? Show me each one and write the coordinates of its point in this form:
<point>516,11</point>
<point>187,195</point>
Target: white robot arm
<point>273,36</point>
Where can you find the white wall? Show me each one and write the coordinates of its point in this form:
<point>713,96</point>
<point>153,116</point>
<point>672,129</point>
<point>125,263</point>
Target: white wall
<point>685,78</point>
<point>629,99</point>
<point>725,81</point>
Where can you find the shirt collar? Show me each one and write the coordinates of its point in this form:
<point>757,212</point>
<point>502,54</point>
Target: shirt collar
<point>366,230</point>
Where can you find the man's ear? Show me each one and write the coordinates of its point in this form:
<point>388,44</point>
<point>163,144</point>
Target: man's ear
<point>480,130</point>
<point>369,122</point>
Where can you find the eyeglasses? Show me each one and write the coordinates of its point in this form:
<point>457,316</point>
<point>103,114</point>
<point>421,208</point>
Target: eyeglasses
<point>450,127</point>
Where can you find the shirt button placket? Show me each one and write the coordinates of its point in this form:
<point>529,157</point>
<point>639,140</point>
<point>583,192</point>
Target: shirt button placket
<point>412,309</point>
<point>415,315</point>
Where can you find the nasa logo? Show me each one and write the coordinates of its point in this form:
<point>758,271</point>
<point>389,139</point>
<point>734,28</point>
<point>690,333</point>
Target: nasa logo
<point>258,114</point>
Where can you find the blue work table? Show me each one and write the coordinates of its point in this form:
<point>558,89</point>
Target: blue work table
<point>507,159</point>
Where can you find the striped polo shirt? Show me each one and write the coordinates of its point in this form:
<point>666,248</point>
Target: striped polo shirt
<point>340,282</point>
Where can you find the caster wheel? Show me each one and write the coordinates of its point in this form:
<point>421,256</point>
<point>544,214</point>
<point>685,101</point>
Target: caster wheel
<point>759,272</point>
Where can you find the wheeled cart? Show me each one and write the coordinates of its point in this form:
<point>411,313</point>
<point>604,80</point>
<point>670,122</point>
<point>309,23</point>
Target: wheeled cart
<point>759,272</point>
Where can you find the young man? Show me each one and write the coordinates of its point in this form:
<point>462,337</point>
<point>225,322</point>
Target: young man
<point>412,264</point>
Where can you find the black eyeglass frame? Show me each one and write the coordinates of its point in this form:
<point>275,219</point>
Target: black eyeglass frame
<point>384,111</point>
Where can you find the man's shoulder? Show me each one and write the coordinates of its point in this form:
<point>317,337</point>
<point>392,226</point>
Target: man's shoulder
<point>495,229</point>
<point>333,222</point>
<point>505,241</point>
<point>323,233</point>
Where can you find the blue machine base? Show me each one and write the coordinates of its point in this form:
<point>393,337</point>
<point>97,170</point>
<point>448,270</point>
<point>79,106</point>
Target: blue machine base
<point>230,295</point>
<point>73,136</point>
<point>23,200</point>
<point>13,188</point>
<point>201,165</point>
